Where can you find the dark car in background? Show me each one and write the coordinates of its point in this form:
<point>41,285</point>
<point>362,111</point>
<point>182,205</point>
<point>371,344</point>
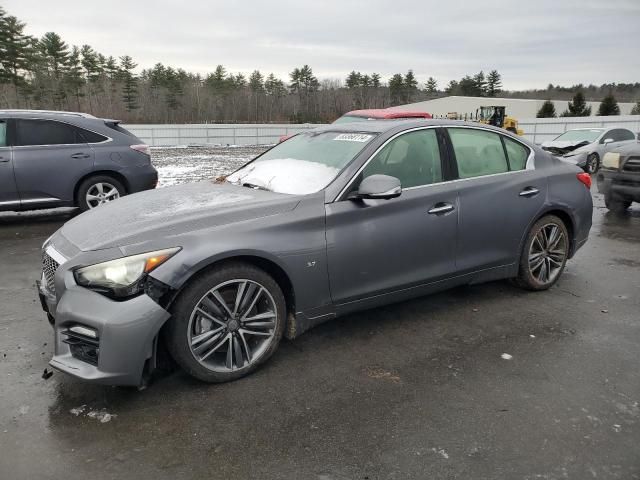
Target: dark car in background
<point>619,177</point>
<point>66,159</point>
<point>334,220</point>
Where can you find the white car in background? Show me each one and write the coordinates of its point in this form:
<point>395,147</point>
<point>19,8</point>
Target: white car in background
<point>585,147</point>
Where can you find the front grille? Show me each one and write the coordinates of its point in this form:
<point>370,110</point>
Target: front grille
<point>632,165</point>
<point>49,267</point>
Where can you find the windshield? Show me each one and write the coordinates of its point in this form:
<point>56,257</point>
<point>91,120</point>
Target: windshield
<point>303,164</point>
<point>579,135</point>
<point>351,119</point>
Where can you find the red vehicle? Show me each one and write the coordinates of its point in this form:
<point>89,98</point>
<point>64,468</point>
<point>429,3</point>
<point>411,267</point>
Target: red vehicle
<point>379,114</point>
<point>374,114</point>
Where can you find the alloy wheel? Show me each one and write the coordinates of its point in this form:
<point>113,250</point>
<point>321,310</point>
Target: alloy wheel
<point>547,253</point>
<point>101,193</point>
<point>232,325</point>
<point>592,163</point>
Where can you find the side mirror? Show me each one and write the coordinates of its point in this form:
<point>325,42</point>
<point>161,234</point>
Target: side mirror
<point>607,140</point>
<point>378,187</point>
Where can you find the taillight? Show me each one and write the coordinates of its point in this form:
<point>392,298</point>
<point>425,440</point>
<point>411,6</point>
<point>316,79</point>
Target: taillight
<point>142,148</point>
<point>585,178</point>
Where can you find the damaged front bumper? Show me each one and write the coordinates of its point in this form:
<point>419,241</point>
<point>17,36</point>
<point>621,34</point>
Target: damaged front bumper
<point>102,340</point>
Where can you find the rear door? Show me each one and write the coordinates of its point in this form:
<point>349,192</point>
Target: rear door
<point>500,193</point>
<point>9,199</point>
<point>49,158</point>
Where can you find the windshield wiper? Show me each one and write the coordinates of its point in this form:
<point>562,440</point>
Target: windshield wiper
<point>255,186</point>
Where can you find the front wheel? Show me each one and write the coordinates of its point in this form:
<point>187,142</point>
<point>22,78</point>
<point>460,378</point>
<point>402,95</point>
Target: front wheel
<point>544,255</point>
<point>593,163</point>
<point>226,323</point>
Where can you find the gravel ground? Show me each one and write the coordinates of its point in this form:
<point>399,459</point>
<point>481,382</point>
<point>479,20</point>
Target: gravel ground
<point>188,164</point>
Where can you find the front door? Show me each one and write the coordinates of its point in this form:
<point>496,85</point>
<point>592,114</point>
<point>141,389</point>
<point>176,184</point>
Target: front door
<point>49,158</point>
<point>9,199</point>
<point>378,246</point>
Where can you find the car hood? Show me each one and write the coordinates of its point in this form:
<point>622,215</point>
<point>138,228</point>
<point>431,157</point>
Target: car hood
<point>563,147</point>
<point>170,211</point>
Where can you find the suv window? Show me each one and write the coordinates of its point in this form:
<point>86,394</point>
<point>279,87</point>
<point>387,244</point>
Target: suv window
<point>517,154</point>
<point>47,132</point>
<point>620,135</point>
<point>413,158</point>
<point>3,133</point>
<point>478,152</point>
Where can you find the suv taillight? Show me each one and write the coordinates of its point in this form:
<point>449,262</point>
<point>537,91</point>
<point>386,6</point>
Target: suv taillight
<point>142,148</point>
<point>585,178</point>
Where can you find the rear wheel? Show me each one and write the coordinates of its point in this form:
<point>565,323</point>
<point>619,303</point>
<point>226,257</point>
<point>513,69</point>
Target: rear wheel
<point>227,323</point>
<point>593,163</point>
<point>98,190</point>
<point>544,254</point>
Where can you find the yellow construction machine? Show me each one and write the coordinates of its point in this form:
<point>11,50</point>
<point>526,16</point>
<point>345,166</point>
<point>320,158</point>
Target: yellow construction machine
<point>496,116</point>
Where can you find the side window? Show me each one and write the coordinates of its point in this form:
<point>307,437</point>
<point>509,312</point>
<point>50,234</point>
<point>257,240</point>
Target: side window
<point>3,133</point>
<point>46,132</point>
<point>478,152</point>
<point>413,158</point>
<point>622,134</point>
<point>517,154</point>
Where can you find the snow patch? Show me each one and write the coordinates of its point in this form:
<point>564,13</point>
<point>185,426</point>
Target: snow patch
<point>286,175</point>
<point>506,356</point>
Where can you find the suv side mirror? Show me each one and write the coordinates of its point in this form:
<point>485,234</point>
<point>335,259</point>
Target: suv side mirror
<point>607,140</point>
<point>378,187</point>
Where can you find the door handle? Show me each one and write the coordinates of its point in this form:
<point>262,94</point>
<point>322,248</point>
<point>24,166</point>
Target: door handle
<point>80,155</point>
<point>3,160</point>
<point>529,192</point>
<point>441,207</point>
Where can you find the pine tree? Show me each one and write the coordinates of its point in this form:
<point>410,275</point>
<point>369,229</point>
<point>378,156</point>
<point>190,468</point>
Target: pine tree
<point>16,50</point>
<point>410,87</point>
<point>353,80</point>
<point>56,53</point>
<point>609,106</point>
<point>73,79</point>
<point>480,84</point>
<point>375,80</point>
<point>396,87</point>
<point>636,108</point>
<point>431,87</point>
<point>577,107</point>
<point>548,110</point>
<point>452,88</point>
<point>130,83</point>
<point>494,83</point>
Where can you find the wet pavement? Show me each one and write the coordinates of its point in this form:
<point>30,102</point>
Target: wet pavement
<point>481,382</point>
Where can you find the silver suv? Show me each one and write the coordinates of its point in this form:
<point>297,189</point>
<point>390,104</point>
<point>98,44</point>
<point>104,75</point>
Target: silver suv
<point>61,159</point>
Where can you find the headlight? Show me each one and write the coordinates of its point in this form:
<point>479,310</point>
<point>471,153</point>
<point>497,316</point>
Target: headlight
<point>122,277</point>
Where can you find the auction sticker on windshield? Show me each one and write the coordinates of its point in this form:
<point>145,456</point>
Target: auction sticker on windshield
<point>353,137</point>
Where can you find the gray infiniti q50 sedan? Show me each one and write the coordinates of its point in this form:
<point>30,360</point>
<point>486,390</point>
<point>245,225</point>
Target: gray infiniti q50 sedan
<point>333,220</point>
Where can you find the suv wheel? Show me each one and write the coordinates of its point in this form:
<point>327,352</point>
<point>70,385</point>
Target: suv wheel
<point>226,323</point>
<point>98,190</point>
<point>593,163</point>
<point>544,255</point>
<point>615,204</point>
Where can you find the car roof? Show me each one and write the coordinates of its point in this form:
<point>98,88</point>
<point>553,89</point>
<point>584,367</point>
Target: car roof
<point>45,113</point>
<point>408,123</point>
<point>386,113</point>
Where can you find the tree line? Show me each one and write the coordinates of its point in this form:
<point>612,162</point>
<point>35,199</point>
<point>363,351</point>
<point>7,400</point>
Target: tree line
<point>48,73</point>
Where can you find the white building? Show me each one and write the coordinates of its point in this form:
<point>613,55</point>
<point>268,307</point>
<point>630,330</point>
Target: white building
<point>516,107</point>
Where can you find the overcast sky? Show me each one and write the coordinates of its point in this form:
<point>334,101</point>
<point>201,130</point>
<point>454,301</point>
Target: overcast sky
<point>531,43</point>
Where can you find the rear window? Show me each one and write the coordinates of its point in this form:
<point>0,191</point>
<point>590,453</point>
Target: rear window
<point>3,133</point>
<point>118,128</point>
<point>92,137</point>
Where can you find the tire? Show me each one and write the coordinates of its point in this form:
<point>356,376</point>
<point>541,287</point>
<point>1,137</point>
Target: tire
<point>614,204</point>
<point>103,187</point>
<point>216,344</point>
<point>531,273</point>
<point>593,163</point>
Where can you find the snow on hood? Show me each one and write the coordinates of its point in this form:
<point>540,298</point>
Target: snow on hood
<point>286,175</point>
<point>171,211</point>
